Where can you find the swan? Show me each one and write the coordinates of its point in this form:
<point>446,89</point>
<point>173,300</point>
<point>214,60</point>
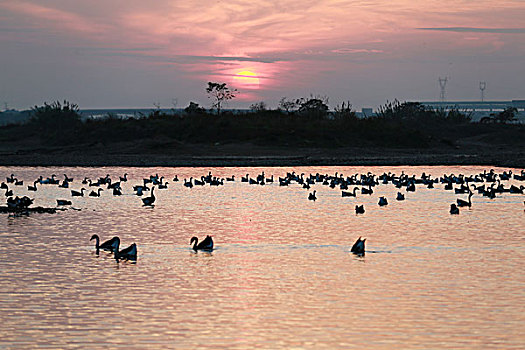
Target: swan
<point>454,209</point>
<point>176,178</point>
<point>359,247</point>
<point>109,245</point>
<point>64,184</point>
<point>515,189</point>
<point>349,194</point>
<point>188,184</point>
<point>312,196</point>
<point>124,178</point>
<point>462,203</point>
<point>10,179</point>
<point>8,193</point>
<point>206,244</point>
<point>140,189</point>
<point>130,253</point>
<point>360,209</point>
<point>63,202</point>
<point>382,201</point>
<point>149,200</point>
<point>32,188</point>
<point>3,185</point>
<point>400,196</point>
<point>78,194</point>
<point>96,194</point>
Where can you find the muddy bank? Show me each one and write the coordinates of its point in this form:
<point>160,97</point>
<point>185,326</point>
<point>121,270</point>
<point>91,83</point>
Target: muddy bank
<point>147,155</point>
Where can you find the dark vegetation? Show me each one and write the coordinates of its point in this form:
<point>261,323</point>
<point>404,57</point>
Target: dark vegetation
<point>305,122</point>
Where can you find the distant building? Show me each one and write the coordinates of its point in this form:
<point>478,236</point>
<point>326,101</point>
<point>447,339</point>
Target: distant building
<point>367,112</point>
<point>480,109</point>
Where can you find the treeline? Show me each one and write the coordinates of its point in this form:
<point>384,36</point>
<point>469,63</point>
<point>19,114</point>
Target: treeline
<point>308,123</point>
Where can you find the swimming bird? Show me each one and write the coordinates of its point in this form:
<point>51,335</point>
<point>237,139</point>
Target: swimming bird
<point>64,184</point>
<point>312,196</point>
<point>400,196</point>
<point>117,191</point>
<point>78,194</point>
<point>454,209</point>
<point>359,247</point>
<point>149,200</point>
<point>206,244</point>
<point>124,178</point>
<point>130,253</point>
<point>96,194</point>
<point>63,202</point>
<point>8,193</point>
<point>32,188</point>
<point>188,184</point>
<point>360,209</point>
<point>382,201</point>
<point>140,189</point>
<point>368,190</point>
<point>109,245</point>
<point>349,194</point>
<point>4,185</point>
<point>462,203</point>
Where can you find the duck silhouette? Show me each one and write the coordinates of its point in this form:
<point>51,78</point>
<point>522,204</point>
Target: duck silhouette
<point>359,247</point>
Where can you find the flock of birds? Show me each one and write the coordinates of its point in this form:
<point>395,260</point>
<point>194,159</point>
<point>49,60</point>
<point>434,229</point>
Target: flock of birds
<point>488,184</point>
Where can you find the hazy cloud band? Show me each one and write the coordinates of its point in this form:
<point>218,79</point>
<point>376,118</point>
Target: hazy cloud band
<point>479,30</point>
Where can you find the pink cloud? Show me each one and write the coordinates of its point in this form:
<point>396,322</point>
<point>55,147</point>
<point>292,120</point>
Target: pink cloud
<point>41,16</point>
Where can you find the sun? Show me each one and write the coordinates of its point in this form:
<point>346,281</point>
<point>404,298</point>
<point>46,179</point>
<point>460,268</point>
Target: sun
<point>247,79</point>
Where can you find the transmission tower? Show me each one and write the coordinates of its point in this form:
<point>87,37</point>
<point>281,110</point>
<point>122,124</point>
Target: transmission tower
<point>442,84</point>
<point>482,87</point>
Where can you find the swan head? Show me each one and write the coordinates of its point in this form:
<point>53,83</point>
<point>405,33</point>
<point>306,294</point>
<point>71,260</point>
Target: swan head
<point>194,239</point>
<point>94,237</point>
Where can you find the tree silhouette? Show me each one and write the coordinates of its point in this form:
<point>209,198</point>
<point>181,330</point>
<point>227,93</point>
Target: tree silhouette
<point>286,105</point>
<point>507,115</point>
<point>219,93</point>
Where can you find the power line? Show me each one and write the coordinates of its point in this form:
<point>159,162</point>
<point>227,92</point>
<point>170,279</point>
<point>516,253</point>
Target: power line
<point>482,87</point>
<point>442,85</point>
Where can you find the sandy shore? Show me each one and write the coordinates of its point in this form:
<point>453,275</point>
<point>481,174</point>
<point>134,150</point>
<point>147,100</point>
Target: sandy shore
<point>249,155</point>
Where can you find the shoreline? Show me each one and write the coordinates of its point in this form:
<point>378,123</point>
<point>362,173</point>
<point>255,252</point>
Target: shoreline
<point>268,158</point>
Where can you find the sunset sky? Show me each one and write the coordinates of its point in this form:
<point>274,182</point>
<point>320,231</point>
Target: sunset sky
<point>131,53</point>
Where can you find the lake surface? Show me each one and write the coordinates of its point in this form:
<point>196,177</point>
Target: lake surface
<point>281,276</point>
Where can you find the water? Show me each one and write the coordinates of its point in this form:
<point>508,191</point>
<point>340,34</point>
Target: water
<point>281,276</point>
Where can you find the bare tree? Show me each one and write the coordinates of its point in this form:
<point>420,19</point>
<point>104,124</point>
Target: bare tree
<point>258,106</point>
<point>219,93</point>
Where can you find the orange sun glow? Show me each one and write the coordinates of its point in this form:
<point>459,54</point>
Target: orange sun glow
<point>247,79</point>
